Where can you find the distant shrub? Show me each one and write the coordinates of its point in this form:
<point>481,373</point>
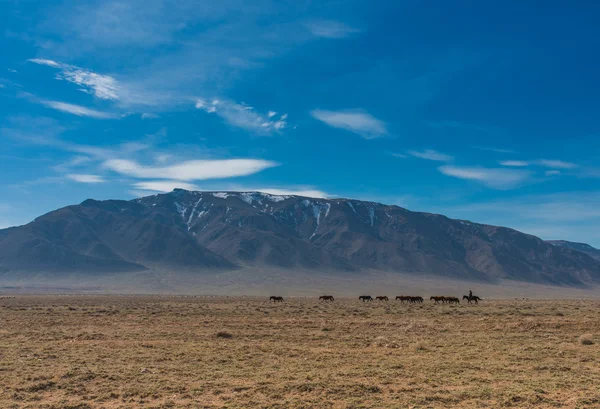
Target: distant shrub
<point>419,346</point>
<point>224,334</point>
<point>586,339</point>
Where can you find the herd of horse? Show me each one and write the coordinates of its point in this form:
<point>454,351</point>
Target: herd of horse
<point>437,299</point>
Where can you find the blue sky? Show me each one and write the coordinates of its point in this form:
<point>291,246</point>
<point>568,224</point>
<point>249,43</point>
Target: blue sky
<point>486,111</point>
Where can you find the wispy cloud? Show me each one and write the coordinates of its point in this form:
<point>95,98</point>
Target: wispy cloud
<point>330,29</point>
<point>164,185</point>
<point>105,87</point>
<point>540,162</point>
<point>71,163</point>
<point>496,178</point>
<point>356,121</point>
<point>167,186</point>
<point>84,178</point>
<point>399,155</point>
<point>289,192</point>
<point>76,109</point>
<point>102,86</point>
<point>190,170</point>
<point>166,169</point>
<point>202,49</point>
<point>552,172</point>
<point>244,116</point>
<point>556,164</point>
<point>514,163</point>
<point>569,216</point>
<point>494,149</point>
<point>558,207</point>
<point>431,154</point>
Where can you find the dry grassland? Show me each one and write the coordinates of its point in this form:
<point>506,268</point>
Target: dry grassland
<point>216,352</point>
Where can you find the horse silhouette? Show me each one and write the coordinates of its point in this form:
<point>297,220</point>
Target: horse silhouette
<point>471,298</point>
<point>409,299</point>
<point>326,298</point>
<point>382,298</point>
<point>364,298</point>
<point>275,298</point>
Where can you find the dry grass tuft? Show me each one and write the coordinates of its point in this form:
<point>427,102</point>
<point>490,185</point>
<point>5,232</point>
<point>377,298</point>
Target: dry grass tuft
<point>419,346</point>
<point>224,334</point>
<point>586,339</point>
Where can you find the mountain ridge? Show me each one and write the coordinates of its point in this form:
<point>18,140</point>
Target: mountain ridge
<point>582,247</point>
<point>202,231</point>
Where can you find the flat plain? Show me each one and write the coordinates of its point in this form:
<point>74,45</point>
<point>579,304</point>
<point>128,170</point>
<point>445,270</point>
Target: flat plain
<point>113,351</point>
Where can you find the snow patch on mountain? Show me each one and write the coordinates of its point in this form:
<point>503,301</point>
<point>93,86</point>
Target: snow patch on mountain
<point>352,207</point>
<point>317,209</point>
<point>189,222</point>
<point>181,209</point>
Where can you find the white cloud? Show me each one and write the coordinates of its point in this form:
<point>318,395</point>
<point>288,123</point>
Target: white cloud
<point>552,172</point>
<point>399,155</point>
<point>102,86</point>
<point>305,191</point>
<point>243,116</point>
<point>149,115</point>
<point>72,163</point>
<point>494,149</point>
<point>430,154</point>
<point>514,163</point>
<point>540,162</point>
<point>556,164</point>
<point>494,178</point>
<point>163,158</point>
<point>83,178</point>
<point>164,185</point>
<point>76,109</point>
<point>330,29</point>
<point>42,61</point>
<point>318,194</point>
<point>191,170</point>
<point>356,121</point>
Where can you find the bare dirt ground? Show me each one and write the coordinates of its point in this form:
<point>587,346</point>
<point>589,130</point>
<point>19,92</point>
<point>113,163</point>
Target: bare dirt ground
<point>217,352</point>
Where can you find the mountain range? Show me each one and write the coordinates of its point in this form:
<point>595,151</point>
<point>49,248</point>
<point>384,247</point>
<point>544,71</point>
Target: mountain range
<point>199,232</point>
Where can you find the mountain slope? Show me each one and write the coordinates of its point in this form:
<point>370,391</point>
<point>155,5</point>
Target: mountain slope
<point>102,236</point>
<point>199,231</point>
<point>582,247</point>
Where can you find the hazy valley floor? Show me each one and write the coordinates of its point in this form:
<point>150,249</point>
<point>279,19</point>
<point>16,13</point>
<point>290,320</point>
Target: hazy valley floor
<point>217,352</point>
<point>265,282</point>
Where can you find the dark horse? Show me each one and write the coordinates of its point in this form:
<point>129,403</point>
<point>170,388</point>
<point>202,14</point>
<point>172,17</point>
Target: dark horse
<point>471,298</point>
<point>364,298</point>
<point>382,298</point>
<point>275,298</point>
<point>326,298</point>
<point>409,299</point>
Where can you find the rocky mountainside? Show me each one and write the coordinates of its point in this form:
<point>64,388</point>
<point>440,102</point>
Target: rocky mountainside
<point>582,247</point>
<point>201,231</point>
